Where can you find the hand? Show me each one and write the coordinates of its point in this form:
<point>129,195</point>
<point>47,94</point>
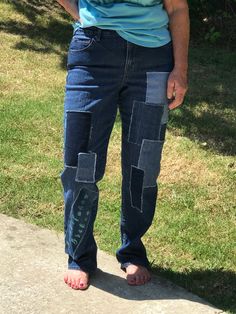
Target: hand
<point>177,87</point>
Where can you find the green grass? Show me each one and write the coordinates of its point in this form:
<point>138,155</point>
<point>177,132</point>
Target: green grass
<point>192,239</point>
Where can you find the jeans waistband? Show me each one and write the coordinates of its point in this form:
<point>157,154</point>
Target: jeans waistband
<point>99,32</point>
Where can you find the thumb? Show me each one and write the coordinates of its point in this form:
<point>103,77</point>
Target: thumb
<point>170,88</point>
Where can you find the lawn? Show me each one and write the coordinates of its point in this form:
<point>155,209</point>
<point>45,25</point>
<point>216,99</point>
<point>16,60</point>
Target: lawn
<point>192,240</point>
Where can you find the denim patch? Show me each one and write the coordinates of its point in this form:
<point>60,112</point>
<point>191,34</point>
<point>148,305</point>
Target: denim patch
<point>165,115</point>
<point>77,134</point>
<point>149,204</point>
<point>149,161</point>
<point>86,167</point>
<point>136,187</point>
<point>79,219</point>
<point>156,91</point>
<point>145,121</point>
<point>163,132</point>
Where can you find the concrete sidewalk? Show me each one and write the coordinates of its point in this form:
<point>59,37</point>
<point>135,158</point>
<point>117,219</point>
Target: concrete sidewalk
<point>32,264</point>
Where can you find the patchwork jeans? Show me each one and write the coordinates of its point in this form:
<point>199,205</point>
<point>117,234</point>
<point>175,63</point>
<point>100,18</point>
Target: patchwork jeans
<point>105,73</point>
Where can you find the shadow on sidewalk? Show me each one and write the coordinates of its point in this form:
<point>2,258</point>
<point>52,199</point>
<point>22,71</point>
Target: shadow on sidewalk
<point>219,282</point>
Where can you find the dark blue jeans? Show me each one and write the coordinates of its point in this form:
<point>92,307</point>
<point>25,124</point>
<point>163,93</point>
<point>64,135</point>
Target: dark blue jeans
<point>106,72</point>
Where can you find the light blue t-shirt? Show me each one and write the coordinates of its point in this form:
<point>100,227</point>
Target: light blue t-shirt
<point>143,22</point>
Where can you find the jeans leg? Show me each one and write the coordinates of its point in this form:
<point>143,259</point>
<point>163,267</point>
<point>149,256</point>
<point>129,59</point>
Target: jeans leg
<point>90,109</point>
<point>144,112</point>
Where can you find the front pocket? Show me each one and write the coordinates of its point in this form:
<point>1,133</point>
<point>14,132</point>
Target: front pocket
<point>82,39</point>
<point>80,43</point>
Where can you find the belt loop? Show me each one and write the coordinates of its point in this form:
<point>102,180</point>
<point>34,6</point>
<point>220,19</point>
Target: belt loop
<point>99,33</point>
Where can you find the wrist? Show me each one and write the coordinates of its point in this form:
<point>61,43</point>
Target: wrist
<point>181,68</point>
<point>76,17</point>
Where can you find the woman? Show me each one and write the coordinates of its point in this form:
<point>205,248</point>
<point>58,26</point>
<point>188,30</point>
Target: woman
<point>132,55</point>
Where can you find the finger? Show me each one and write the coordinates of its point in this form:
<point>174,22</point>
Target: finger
<point>178,97</point>
<point>177,101</point>
<point>170,88</point>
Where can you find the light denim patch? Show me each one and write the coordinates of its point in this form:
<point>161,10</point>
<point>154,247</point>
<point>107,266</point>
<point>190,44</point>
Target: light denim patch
<point>149,161</point>
<point>156,91</point>
<point>165,115</point>
<point>136,187</point>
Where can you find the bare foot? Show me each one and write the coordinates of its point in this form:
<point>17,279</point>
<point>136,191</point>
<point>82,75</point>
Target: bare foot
<point>137,275</point>
<point>76,279</point>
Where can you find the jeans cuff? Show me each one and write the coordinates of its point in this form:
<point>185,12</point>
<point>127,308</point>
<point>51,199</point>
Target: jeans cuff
<point>126,264</point>
<point>73,264</point>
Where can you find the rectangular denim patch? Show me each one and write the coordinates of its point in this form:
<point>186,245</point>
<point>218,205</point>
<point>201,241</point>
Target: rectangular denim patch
<point>86,167</point>
<point>145,122</point>
<point>165,115</point>
<point>149,161</point>
<point>136,187</point>
<point>156,91</point>
<point>77,133</point>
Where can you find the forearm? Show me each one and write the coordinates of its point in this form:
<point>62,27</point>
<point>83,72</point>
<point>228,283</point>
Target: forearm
<point>180,28</point>
<point>71,6</point>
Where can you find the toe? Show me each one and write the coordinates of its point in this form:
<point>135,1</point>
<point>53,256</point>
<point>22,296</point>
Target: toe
<point>69,282</point>
<point>82,286</point>
<point>143,279</point>
<point>131,280</point>
<point>138,280</point>
<point>65,278</point>
<point>73,283</point>
<point>83,283</point>
<point>77,283</point>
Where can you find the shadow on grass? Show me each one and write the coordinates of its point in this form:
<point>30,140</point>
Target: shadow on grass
<point>42,32</point>
<point>208,113</point>
<point>212,130</point>
<point>216,286</point>
<point>211,75</point>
